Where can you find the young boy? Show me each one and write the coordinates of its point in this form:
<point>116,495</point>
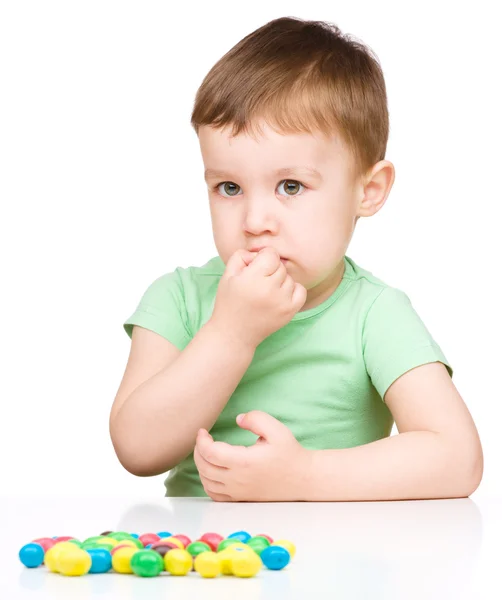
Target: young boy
<point>297,360</point>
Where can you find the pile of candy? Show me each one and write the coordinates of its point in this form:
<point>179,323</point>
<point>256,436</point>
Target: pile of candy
<point>151,554</point>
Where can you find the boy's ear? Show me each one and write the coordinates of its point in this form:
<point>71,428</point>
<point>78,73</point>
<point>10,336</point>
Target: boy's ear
<point>375,188</point>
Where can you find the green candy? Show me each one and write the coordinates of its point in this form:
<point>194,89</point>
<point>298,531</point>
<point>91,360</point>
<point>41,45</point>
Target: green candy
<point>195,548</point>
<point>76,542</point>
<point>227,542</point>
<point>258,544</point>
<point>94,538</point>
<point>147,563</point>
<point>120,535</point>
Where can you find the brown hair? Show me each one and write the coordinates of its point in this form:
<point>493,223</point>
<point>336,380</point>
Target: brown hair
<point>300,76</point>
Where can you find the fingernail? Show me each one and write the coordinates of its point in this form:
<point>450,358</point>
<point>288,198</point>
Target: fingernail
<point>239,418</point>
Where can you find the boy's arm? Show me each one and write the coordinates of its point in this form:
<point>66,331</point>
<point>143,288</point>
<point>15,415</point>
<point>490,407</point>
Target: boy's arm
<point>157,425</point>
<point>437,453</point>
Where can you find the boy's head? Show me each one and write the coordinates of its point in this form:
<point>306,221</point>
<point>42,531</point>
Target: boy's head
<point>294,93</point>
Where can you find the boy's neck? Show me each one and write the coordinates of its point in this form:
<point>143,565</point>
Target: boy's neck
<point>325,289</point>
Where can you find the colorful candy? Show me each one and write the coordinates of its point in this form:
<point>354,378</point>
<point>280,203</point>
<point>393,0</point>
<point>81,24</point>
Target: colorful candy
<point>178,561</point>
<point>147,563</point>
<point>32,555</point>
<point>74,562</point>
<point>207,564</point>
<point>152,554</point>
<point>275,557</point>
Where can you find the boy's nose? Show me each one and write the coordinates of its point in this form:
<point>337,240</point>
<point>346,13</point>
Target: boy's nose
<point>260,218</point>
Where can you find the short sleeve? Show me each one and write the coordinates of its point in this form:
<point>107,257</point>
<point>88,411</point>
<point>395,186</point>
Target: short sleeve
<point>162,309</point>
<point>395,340</point>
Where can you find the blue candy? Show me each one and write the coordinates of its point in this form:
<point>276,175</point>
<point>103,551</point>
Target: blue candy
<point>242,536</point>
<point>275,557</point>
<point>101,560</point>
<point>164,534</point>
<point>32,555</point>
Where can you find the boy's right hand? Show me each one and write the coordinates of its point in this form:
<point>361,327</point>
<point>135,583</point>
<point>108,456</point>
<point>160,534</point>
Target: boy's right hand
<point>256,296</point>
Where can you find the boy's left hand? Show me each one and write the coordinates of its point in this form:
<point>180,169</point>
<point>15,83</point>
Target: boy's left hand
<point>275,468</point>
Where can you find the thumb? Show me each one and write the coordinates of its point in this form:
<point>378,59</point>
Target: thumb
<point>264,425</point>
<point>239,261</point>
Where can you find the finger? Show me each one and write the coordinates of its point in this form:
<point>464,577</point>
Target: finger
<point>238,261</point>
<point>279,276</point>
<point>266,262</point>
<point>299,295</point>
<point>207,469</point>
<point>264,426</point>
<point>213,486</point>
<point>288,286</point>
<point>220,454</point>
<point>220,497</point>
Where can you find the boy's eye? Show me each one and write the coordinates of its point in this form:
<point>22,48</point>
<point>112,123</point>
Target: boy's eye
<point>230,188</point>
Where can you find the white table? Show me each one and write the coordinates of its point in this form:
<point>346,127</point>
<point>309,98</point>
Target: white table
<point>363,550</point>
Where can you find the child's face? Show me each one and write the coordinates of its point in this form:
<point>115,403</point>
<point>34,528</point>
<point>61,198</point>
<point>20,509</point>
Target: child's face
<point>309,220</point>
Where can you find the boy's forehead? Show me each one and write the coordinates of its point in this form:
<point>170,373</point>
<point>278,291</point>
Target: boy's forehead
<point>312,148</point>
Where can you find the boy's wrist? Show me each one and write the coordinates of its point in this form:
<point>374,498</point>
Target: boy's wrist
<point>230,338</point>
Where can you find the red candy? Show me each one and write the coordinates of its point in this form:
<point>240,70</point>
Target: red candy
<point>212,540</point>
<point>148,538</point>
<point>46,543</point>
<point>266,536</point>
<point>115,548</point>
<point>63,538</point>
<point>183,539</point>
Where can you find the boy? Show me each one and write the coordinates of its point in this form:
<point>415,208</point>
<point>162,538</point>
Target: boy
<point>297,360</point>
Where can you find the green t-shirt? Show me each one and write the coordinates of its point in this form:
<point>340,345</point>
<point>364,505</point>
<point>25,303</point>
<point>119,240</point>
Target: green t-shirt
<point>324,374</point>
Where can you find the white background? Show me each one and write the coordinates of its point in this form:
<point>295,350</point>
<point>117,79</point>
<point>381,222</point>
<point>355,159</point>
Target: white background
<point>102,191</point>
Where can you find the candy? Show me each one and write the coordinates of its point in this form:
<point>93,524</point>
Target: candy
<point>228,542</point>
<point>290,547</point>
<point>242,536</point>
<point>207,564</point>
<point>175,541</point>
<point>147,563</point>
<point>267,537</point>
<point>245,564</point>
<point>150,554</point>
<point>101,560</point>
<point>148,538</point>
<point>195,548</point>
<point>178,561</point>
<point>275,557</point>
<point>121,559</point>
<point>32,555</point>
<point>185,540</point>
<point>164,534</point>
<point>211,539</point>
<point>74,562</point>
<point>258,544</point>
<point>46,543</point>
<point>52,555</point>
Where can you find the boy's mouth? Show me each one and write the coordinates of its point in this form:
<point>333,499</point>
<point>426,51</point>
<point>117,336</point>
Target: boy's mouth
<point>258,248</point>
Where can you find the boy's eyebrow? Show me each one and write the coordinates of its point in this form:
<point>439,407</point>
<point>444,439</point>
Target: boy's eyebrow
<point>215,173</point>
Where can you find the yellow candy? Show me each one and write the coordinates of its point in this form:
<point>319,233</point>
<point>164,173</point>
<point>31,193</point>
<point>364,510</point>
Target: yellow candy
<point>178,561</point>
<point>74,562</point>
<point>52,555</point>
<point>227,555</point>
<point>121,559</point>
<point>174,541</point>
<point>245,564</point>
<point>290,547</point>
<point>207,564</point>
